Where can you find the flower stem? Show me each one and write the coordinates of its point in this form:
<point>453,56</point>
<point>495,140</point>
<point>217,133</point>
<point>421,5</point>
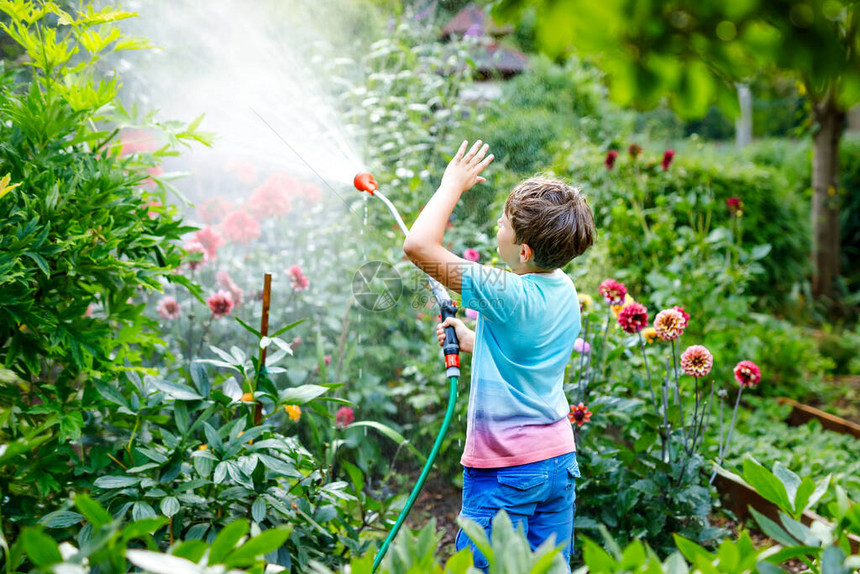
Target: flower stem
<point>203,336</point>
<point>648,371</point>
<point>580,382</point>
<point>678,398</point>
<point>724,448</point>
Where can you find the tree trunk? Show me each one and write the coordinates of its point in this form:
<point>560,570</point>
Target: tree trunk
<point>829,123</point>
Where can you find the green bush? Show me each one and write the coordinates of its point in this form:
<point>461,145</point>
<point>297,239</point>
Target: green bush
<point>84,228</point>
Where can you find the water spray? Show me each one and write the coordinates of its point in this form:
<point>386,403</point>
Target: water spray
<point>451,347</point>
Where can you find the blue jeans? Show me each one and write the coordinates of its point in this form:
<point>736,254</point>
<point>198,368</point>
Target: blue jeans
<point>540,496</point>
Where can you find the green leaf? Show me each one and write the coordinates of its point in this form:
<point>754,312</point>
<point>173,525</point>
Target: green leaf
<point>158,563</point>
<point>266,542</point>
<point>766,484</point>
<point>169,506</point>
<point>248,327</point>
<point>143,527</point>
<point>772,529</point>
<point>93,511</point>
<point>40,548</point>
<point>287,328</point>
<point>227,539</point>
<point>116,481</point>
<point>258,509</point>
<point>61,519</point>
<point>177,391</point>
<point>390,433</point>
<point>301,395</point>
<point>791,482</point>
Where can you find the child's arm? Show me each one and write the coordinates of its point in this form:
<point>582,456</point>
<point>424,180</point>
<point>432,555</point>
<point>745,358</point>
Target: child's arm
<point>423,244</point>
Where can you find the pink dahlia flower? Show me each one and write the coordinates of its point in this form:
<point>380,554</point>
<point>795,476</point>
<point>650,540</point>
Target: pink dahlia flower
<point>613,291</point>
<point>272,199</point>
<point>697,361</point>
<point>297,278</point>
<point>210,239</point>
<point>668,156</point>
<point>581,346</point>
<point>669,324</point>
<point>220,304</point>
<point>747,374</point>
<point>579,414</point>
<point>684,314</point>
<point>609,162</point>
<point>471,254</point>
<point>633,318</point>
<point>344,417</point>
<point>194,248</point>
<point>239,227</point>
<point>168,308</point>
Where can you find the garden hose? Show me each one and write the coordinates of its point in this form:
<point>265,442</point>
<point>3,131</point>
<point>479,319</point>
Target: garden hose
<point>449,414</point>
<point>451,349</point>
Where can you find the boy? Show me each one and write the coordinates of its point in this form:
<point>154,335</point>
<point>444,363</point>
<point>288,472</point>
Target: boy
<point>520,452</point>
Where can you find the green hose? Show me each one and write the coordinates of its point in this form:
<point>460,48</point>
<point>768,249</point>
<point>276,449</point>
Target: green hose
<point>452,400</point>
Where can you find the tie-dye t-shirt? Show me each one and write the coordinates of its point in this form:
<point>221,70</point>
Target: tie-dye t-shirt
<point>526,328</point>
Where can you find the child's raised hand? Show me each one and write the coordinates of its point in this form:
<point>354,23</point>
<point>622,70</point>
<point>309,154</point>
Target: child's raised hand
<point>464,170</point>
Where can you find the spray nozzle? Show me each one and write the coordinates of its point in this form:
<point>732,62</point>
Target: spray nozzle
<point>365,182</point>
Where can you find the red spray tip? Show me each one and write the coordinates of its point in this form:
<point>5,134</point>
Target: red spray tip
<point>365,182</point>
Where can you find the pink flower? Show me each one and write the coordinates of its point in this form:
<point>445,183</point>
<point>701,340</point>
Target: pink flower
<point>210,239</point>
<point>633,318</point>
<point>195,248</point>
<point>137,141</point>
<point>272,199</point>
<point>669,324</point>
<point>581,346</point>
<point>471,313</point>
<point>344,417</point>
<point>243,171</point>
<point>294,344</point>
<point>327,360</point>
<point>220,304</point>
<point>214,210</point>
<point>471,254</point>
<point>609,162</point>
<point>684,314</point>
<point>634,150</point>
<point>613,291</point>
<point>168,308</point>
<point>239,227</point>
<point>90,308</point>
<point>747,374</point>
<point>579,414</point>
<point>697,361</point>
<point>668,156</point>
<point>226,282</point>
<point>297,278</point>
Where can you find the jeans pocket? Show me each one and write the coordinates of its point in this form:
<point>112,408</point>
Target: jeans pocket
<point>522,481</point>
<point>463,540</point>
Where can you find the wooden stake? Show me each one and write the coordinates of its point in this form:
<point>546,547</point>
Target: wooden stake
<point>264,331</point>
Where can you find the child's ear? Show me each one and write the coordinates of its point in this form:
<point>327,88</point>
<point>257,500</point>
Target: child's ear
<point>526,253</point>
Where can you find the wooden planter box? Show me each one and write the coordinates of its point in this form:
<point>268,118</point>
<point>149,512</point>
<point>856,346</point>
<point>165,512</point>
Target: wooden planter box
<point>738,496</point>
<point>802,414</point>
